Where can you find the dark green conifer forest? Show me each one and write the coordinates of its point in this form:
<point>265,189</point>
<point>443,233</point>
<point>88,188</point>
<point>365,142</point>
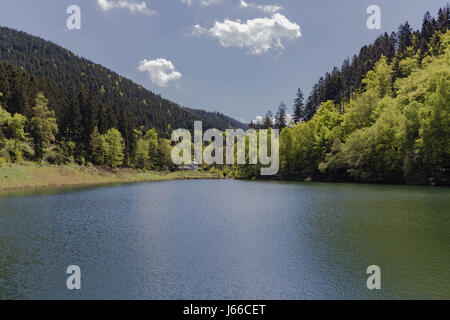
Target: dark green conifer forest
<point>83,96</point>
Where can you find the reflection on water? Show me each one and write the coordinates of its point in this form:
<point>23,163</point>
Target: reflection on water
<point>219,239</point>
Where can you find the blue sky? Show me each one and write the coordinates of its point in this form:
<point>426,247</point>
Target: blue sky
<point>190,52</point>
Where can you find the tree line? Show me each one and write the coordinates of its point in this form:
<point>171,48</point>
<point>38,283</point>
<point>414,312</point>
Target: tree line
<point>85,95</point>
<point>341,84</point>
<point>36,139</point>
<point>390,126</point>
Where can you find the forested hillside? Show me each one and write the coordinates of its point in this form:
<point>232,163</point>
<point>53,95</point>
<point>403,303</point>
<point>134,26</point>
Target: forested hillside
<point>84,96</point>
<point>216,119</point>
<point>390,124</point>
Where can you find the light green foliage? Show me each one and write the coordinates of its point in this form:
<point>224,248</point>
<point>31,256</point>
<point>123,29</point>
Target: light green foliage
<point>43,125</point>
<point>66,150</point>
<point>98,147</point>
<point>287,156</point>
<point>16,126</point>
<point>434,131</point>
<point>13,137</point>
<point>152,137</point>
<point>164,155</point>
<point>384,135</point>
<point>146,152</point>
<point>408,65</point>
<point>142,157</point>
<point>380,79</point>
<point>113,147</point>
<point>301,159</point>
<point>5,116</point>
<point>372,154</point>
<point>359,111</point>
<point>327,126</point>
<point>304,146</point>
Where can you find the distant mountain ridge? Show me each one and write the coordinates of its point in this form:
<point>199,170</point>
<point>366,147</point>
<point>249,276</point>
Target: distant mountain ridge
<point>61,74</point>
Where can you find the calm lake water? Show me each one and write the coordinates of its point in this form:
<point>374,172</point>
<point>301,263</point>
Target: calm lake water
<point>220,239</point>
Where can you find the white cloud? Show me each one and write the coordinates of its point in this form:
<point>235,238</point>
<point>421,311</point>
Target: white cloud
<point>131,5</point>
<point>203,3</point>
<point>258,120</point>
<point>257,35</point>
<point>289,119</point>
<point>270,8</point>
<point>160,71</point>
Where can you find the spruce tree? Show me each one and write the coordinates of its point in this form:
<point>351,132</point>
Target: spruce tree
<point>299,107</point>
<point>43,126</point>
<point>267,121</point>
<point>281,117</point>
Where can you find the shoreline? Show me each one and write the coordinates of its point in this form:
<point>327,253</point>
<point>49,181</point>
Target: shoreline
<point>29,176</point>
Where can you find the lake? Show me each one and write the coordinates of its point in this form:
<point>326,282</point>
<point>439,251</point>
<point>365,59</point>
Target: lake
<point>226,239</point>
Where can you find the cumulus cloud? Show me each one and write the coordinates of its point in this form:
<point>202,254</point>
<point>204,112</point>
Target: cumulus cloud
<point>203,3</point>
<point>161,71</point>
<point>257,35</point>
<point>270,8</point>
<point>131,5</point>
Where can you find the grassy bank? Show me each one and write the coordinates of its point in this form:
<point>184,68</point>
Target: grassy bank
<point>31,175</point>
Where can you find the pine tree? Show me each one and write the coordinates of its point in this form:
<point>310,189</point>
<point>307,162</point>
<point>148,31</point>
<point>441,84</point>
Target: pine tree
<point>71,124</point>
<point>281,117</point>
<point>43,126</point>
<point>427,27</point>
<point>268,120</point>
<point>443,19</point>
<point>299,107</point>
<point>404,38</point>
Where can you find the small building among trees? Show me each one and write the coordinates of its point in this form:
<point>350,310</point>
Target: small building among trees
<point>189,167</point>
